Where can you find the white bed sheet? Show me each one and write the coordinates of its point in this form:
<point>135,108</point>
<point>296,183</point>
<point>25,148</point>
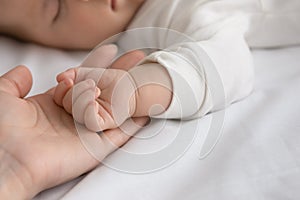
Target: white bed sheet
<point>257,156</point>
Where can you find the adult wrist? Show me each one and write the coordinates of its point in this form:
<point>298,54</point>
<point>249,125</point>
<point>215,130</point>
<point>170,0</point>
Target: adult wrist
<point>12,188</point>
<point>13,193</point>
<point>12,180</point>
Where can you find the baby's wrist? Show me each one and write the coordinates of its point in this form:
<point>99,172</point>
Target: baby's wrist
<point>153,89</point>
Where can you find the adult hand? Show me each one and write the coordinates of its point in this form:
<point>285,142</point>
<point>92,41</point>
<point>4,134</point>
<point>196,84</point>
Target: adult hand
<point>39,146</point>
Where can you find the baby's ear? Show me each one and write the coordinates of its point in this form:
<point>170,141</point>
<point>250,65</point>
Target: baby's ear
<point>101,57</point>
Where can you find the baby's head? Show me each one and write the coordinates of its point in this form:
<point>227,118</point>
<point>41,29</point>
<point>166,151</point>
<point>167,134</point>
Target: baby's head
<point>80,24</point>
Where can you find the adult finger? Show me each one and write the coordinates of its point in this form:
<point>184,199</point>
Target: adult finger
<point>17,81</point>
<point>118,137</point>
<point>109,140</point>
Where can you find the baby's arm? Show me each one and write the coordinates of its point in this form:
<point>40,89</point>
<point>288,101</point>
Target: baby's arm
<point>117,95</point>
<point>154,89</point>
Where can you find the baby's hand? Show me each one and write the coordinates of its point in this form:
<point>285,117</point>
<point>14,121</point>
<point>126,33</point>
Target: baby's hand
<point>98,98</point>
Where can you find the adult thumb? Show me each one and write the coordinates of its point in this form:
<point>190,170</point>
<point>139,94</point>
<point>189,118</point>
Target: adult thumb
<point>17,81</point>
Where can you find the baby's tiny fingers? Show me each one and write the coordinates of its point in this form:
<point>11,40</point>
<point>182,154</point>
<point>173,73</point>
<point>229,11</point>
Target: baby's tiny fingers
<point>73,94</point>
<point>92,120</point>
<point>97,119</point>
<point>81,103</point>
<point>69,74</point>
<point>61,90</point>
<point>81,87</point>
<point>67,101</point>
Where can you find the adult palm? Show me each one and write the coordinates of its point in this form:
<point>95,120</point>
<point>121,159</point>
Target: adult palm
<point>39,145</point>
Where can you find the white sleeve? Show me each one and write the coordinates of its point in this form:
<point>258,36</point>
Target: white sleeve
<point>209,74</point>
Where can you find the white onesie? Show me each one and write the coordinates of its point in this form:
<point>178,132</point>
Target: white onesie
<point>222,33</point>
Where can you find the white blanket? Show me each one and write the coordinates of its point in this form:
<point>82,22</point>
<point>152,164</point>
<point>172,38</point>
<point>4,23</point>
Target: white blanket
<point>257,156</point>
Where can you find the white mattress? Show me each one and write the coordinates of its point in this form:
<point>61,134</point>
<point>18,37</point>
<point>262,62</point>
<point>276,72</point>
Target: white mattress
<point>257,156</point>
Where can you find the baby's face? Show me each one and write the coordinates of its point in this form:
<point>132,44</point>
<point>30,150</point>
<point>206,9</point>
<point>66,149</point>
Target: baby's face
<point>67,23</point>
